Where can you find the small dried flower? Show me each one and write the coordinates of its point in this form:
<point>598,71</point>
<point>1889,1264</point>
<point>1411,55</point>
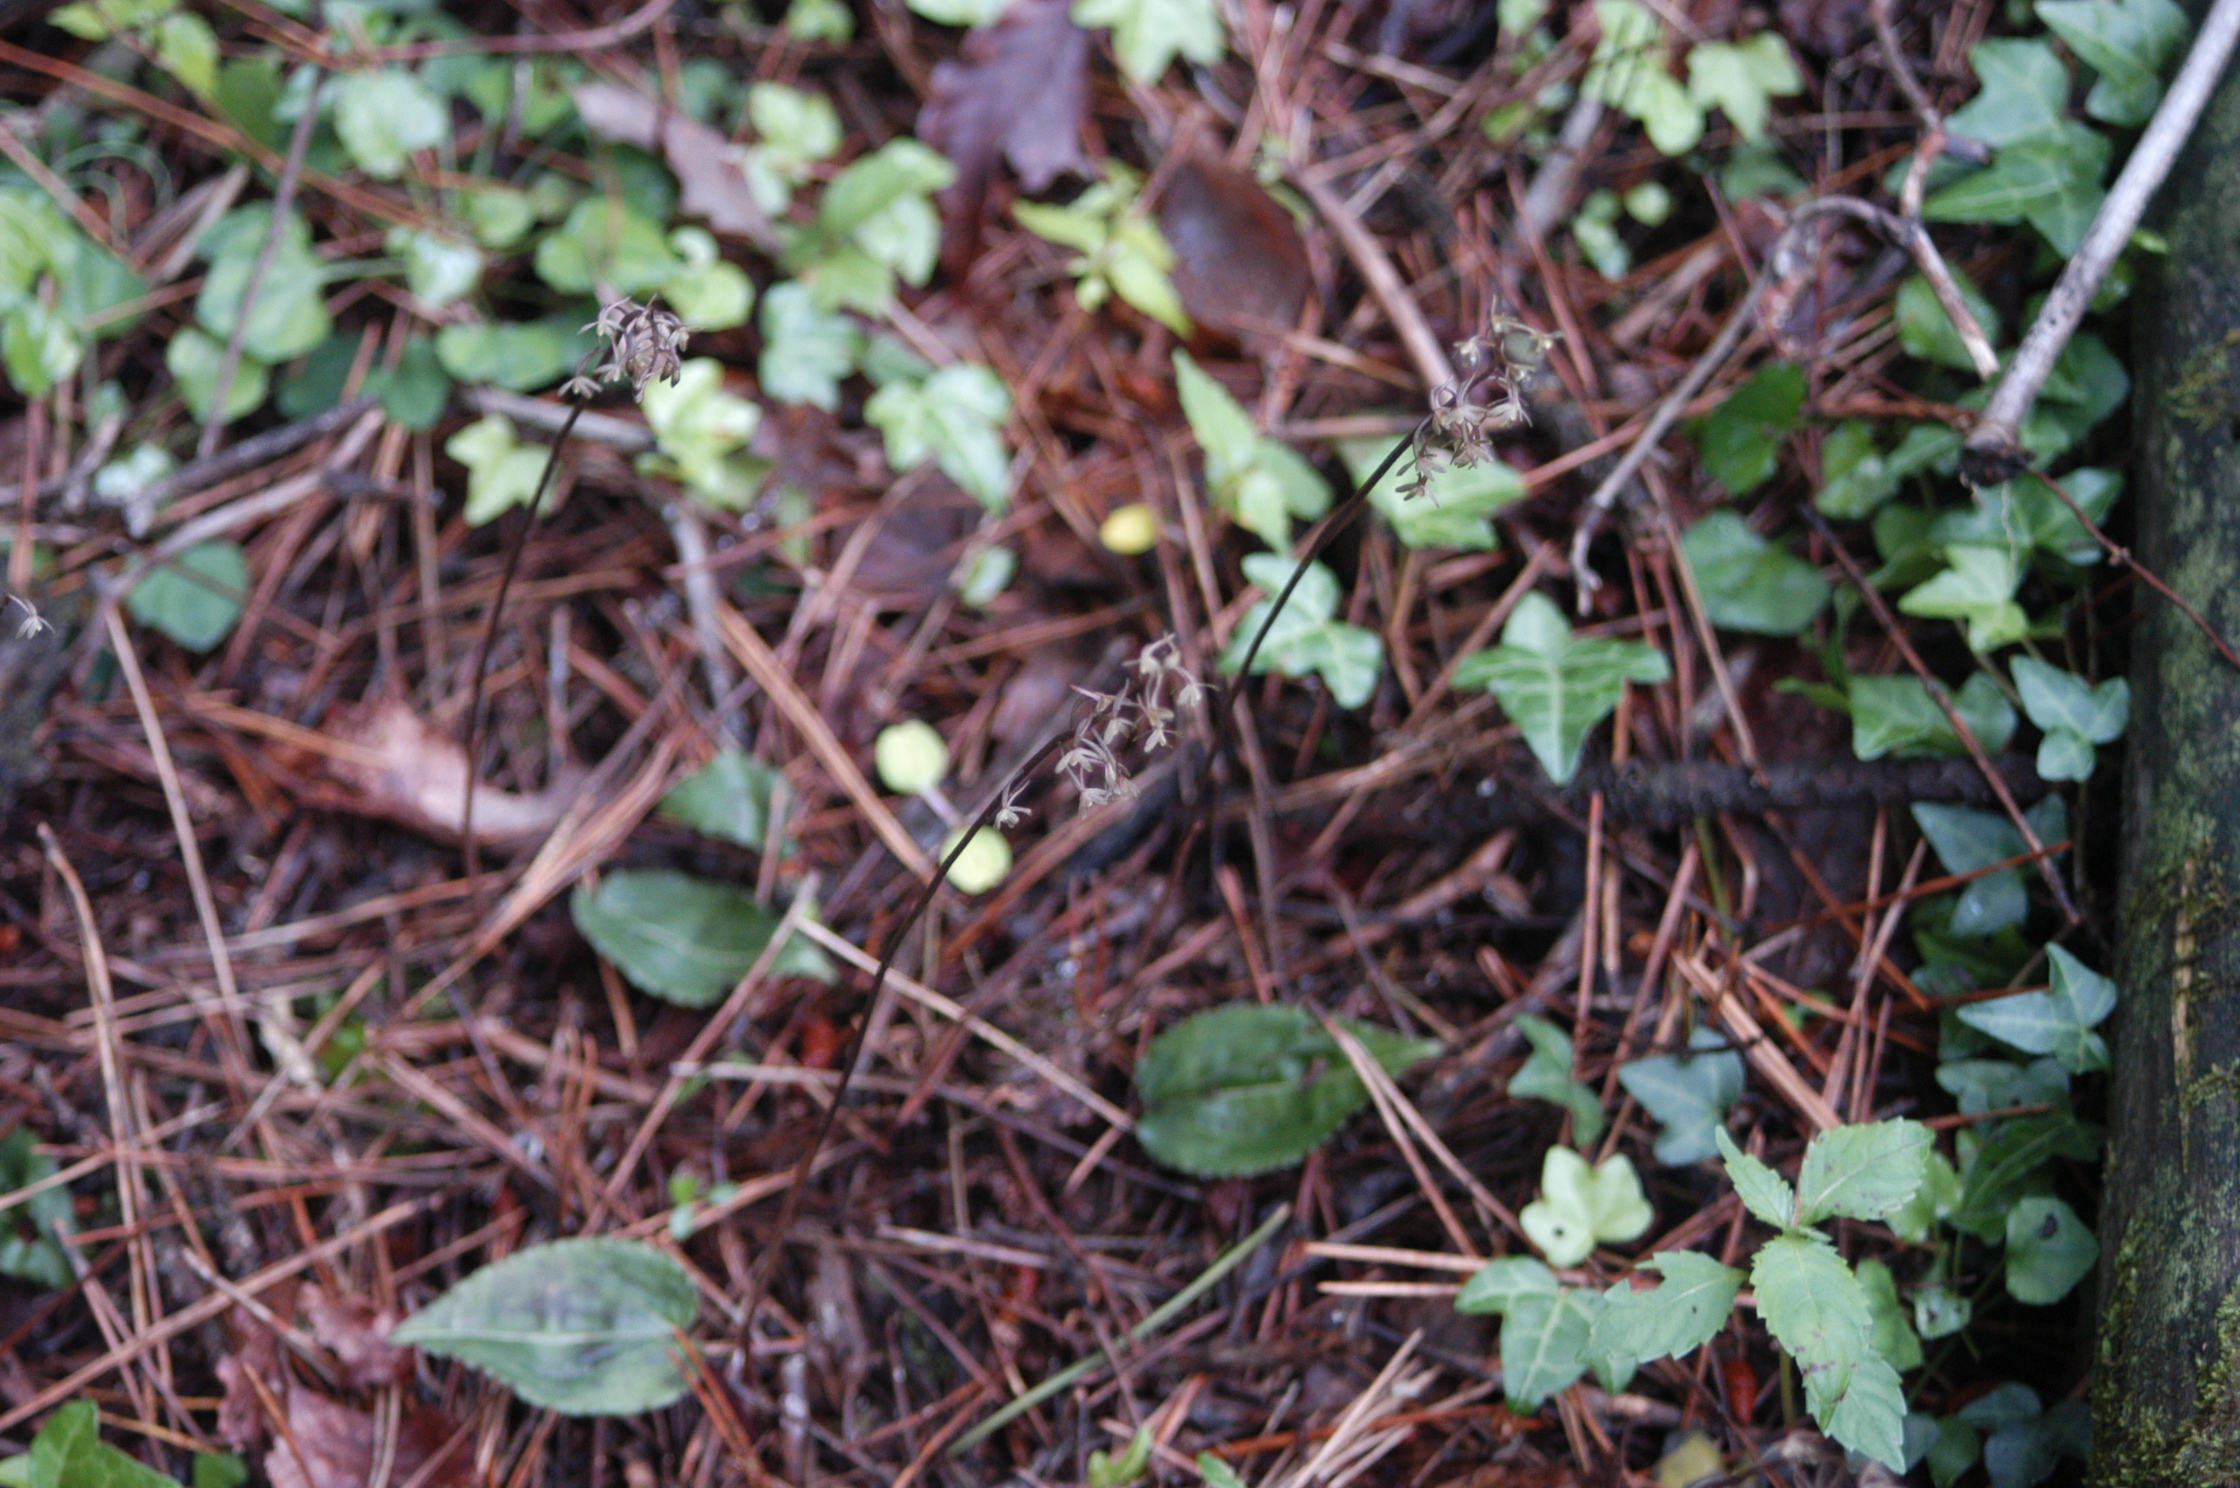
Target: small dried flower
<point>643,342</point>
<point>1487,396</point>
<point>33,622</point>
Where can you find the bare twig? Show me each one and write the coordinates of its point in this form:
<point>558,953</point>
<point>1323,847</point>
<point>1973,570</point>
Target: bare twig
<point>2122,557</point>
<point>1992,452</point>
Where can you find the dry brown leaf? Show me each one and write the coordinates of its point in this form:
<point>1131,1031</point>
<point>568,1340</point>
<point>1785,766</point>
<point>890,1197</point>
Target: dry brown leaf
<point>1239,262</point>
<point>399,769</point>
<point>337,1446</point>
<point>357,1333</point>
<point>714,188</point>
<point>1019,90</point>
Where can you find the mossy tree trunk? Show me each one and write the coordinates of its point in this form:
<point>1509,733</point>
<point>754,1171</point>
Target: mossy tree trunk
<point>2166,1387</point>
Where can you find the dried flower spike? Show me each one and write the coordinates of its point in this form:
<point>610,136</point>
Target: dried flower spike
<point>644,342</point>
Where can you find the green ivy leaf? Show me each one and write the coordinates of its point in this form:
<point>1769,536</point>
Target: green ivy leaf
<point>1743,78</point>
<point>1678,1316</point>
<point>1454,508</point>
<point>1859,478</point>
<point>2010,1161</point>
<point>2128,42</point>
<point>1978,589</point>
<point>1866,1170</point>
<point>1148,34</point>
<point>1896,715</point>
<point>1741,438</point>
<point>1892,1336</point>
<point>2049,1250</point>
<point>1306,638</point>
<point>805,351</point>
<point>2058,1021</point>
<point>1581,1207</point>
<point>1544,1344</point>
<point>519,357</point>
<point>1556,687</point>
<point>1982,1085</point>
<point>383,116</point>
<point>68,1452</point>
<point>1765,1193</point>
<point>2025,93</point>
<point>700,427</point>
<point>1546,1075</point>
<point>1246,1088</point>
<point>956,418</point>
<point>728,797</point>
<point>606,247</point>
<point>29,1250</point>
<point>583,1327</point>
<point>1926,331</point>
<point>1748,583</point>
<point>290,315</point>
<point>439,270</point>
<point>2026,1441</point>
<point>2074,714</point>
<point>502,473</point>
<point>2051,181</point>
<point>684,939</point>
<point>1497,1285</point>
<point>1814,1306</point>
<point>1968,841</point>
<point>1627,71</point>
<point>1688,1095</point>
<point>196,597</point>
<point>1261,482</point>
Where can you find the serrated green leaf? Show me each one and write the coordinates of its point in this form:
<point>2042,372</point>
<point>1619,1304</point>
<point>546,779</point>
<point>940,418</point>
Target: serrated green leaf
<point>1742,438</point>
<point>196,597</point>
<point>1688,1094</point>
<point>1748,583</point>
<point>1544,1342</point>
<point>583,1327</point>
<point>1743,78</point>
<point>1931,1202</point>
<point>382,116</point>
<point>1546,1075</point>
<point>2049,1250</point>
<point>1247,1088</point>
<point>1556,687</point>
<point>29,1249</point>
<point>1581,1207</point>
<point>68,1452</point>
<point>1893,1337</point>
<point>1814,1306</point>
<point>1678,1316</point>
<point>684,939</point>
<point>728,797</point>
<point>955,418</point>
<point>1763,1192</point>
<point>1147,35</point>
<point>1867,1170</point>
<point>1499,1283</point>
<point>1897,716</point>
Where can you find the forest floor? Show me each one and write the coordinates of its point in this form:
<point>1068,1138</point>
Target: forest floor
<point>293,1061</point>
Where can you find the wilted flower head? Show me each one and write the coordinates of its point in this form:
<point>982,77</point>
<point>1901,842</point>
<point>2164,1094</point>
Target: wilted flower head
<point>1140,708</point>
<point>1487,396</point>
<point>643,342</point>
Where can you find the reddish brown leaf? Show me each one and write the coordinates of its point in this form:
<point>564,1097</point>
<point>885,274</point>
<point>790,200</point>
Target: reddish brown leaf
<point>714,188</point>
<point>357,1333</point>
<point>337,1446</point>
<point>1239,262</point>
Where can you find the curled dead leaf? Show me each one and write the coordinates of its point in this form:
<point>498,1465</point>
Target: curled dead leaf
<point>395,767</point>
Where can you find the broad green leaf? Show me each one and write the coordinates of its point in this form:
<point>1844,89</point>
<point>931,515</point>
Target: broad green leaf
<point>40,348</point>
<point>1222,427</point>
<point>2058,1021</point>
<point>684,939</point>
<point>2128,42</point>
<point>1867,1170</point>
<point>961,12</point>
<point>1681,1314</point>
<point>219,1470</point>
<point>98,20</point>
<point>1305,638</point>
<point>1500,1283</point>
<point>1742,438</point>
<point>1969,841</point>
<point>1140,265</point>
<point>1859,479</point>
<point>1940,1312</point>
<point>1815,1308</point>
<point>1687,1094</point>
<point>2025,93</point>
<point>383,116</point>
<point>728,797</point>
<point>1893,1336</point>
<point>29,1250</point>
<point>1217,1474</point>
<point>1148,34</point>
<point>1765,1193</point>
<point>188,50</point>
<point>1452,512</point>
<point>502,473</point>
<point>2010,1161</point>
<point>805,351</point>
<point>1926,331</point>
<point>290,315</point>
<point>1544,1344</point>
<point>1556,687</point>
<point>1264,484</point>
<point>2074,714</point>
<point>1977,589</point>
<point>1931,1203</point>
<point>1247,1088</point>
<point>519,357</point>
<point>437,269</point>
<point>196,597</point>
<point>2052,182</point>
<point>1546,1075</point>
<point>794,129</point>
<point>955,418</point>
<point>1982,1085</point>
<point>2049,1250</point>
<point>698,427</point>
<point>68,1452</point>
<point>606,247</point>
<point>1627,71</point>
<point>865,193</point>
<point>1595,226</point>
<point>1896,716</point>
<point>583,1327</point>
<point>1581,1207</point>
<point>1748,583</point>
<point>708,294</point>
<point>1742,78</point>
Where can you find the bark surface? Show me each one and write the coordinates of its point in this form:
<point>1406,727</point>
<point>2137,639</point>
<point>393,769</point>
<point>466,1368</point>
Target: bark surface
<point>2166,1385</point>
